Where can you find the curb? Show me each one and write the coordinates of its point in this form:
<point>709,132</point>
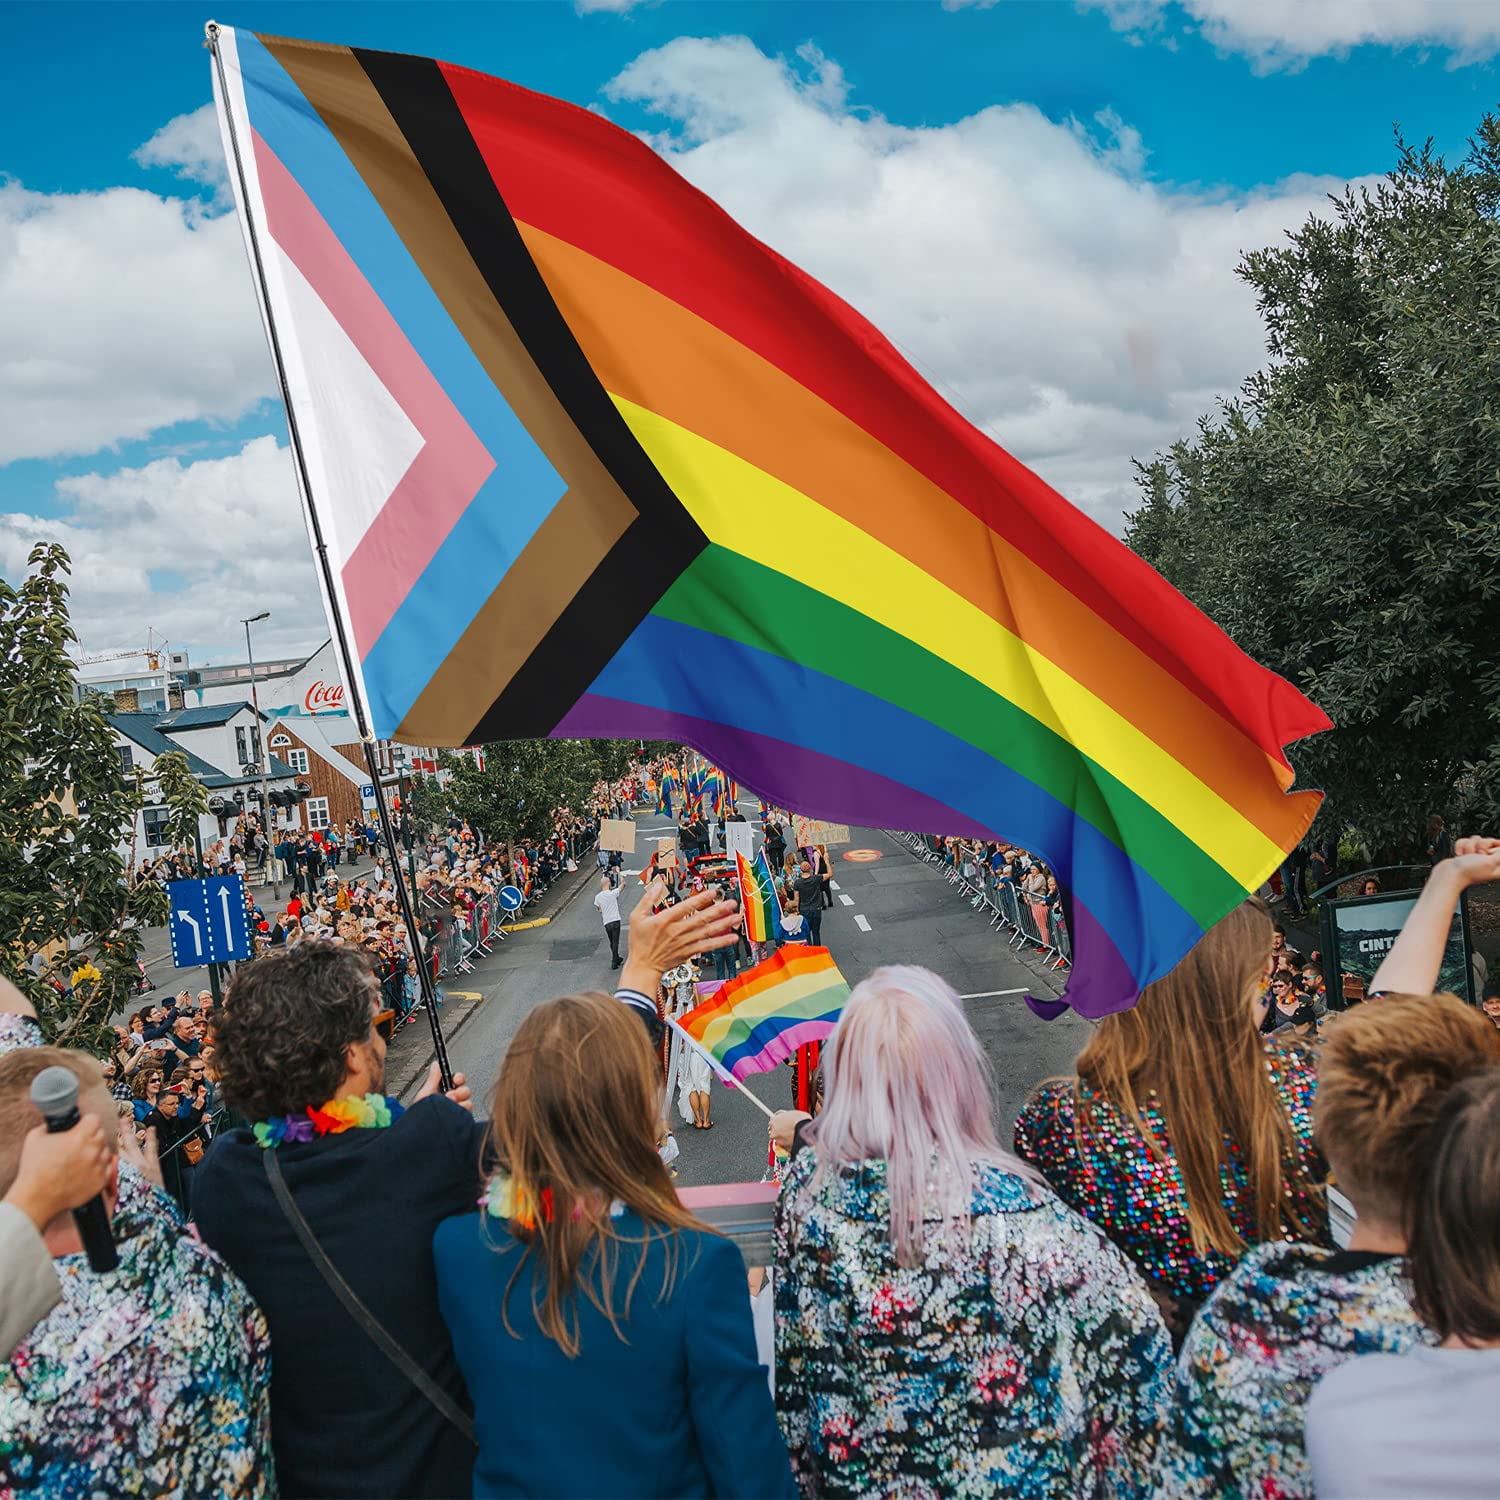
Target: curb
<point>420,1070</point>
<point>526,926</point>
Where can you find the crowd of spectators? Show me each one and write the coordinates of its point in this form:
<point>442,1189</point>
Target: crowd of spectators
<point>1142,1298</point>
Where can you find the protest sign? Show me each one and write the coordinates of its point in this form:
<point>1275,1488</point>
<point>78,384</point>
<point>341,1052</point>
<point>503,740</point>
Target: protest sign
<point>617,834</point>
<point>739,838</point>
<point>809,833</point>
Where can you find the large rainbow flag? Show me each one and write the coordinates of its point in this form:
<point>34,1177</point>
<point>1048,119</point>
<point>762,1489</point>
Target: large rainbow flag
<point>556,417</point>
<point>759,1019</point>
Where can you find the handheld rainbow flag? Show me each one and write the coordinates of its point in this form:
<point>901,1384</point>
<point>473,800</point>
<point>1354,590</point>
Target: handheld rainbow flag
<point>554,414</point>
<point>759,901</point>
<point>760,1018</point>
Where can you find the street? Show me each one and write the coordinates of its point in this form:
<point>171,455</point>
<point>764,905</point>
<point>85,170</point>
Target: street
<point>888,909</point>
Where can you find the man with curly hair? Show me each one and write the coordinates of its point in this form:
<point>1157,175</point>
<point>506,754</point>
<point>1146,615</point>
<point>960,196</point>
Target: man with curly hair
<point>298,1054</point>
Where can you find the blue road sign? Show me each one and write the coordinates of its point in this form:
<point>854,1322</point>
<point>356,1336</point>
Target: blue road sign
<point>209,923</point>
<point>510,897</point>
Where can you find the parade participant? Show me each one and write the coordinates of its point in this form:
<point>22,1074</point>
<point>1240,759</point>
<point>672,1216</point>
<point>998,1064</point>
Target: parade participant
<point>299,1054</point>
<point>1423,1422</point>
<point>148,1380</point>
<point>583,1286</point>
<point>809,888</point>
<point>1289,1313</point>
<point>607,902</point>
<point>971,1285</point>
<point>1185,1136</point>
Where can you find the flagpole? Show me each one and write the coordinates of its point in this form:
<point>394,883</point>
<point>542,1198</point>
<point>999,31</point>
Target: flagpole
<point>725,1076</point>
<point>325,567</point>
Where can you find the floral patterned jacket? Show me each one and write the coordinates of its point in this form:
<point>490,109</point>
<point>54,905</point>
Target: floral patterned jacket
<point>1280,1322</point>
<point>1027,1361</point>
<point>151,1380</point>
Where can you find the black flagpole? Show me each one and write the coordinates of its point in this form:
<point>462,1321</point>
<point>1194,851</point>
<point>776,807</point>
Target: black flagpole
<point>320,549</point>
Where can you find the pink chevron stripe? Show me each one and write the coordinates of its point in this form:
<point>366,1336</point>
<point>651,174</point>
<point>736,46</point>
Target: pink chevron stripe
<point>452,464</point>
<point>781,1047</point>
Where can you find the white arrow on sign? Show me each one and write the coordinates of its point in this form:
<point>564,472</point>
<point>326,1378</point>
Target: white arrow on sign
<point>192,922</point>
<point>228,919</point>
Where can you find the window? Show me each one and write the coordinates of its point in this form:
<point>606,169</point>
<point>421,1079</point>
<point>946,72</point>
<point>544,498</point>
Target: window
<point>126,764</point>
<point>317,812</point>
<point>297,760</point>
<point>155,820</point>
<point>242,743</point>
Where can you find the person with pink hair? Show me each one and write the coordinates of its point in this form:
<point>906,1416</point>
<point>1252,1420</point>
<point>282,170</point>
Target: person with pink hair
<point>944,1322</point>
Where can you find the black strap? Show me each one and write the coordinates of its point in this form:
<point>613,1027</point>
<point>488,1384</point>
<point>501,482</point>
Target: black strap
<point>357,1310</point>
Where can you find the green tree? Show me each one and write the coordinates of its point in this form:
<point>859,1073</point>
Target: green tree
<point>67,812</point>
<point>1341,517</point>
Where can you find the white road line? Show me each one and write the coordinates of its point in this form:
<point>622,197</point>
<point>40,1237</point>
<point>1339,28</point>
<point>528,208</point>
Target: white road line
<point>847,900</point>
<point>833,885</point>
<point>863,923</point>
<point>989,994</point>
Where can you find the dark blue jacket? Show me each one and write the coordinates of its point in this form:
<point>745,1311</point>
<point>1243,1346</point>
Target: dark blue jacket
<point>683,1409</point>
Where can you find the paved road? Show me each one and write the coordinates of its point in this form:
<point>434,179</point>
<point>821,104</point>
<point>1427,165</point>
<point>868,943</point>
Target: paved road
<point>891,909</point>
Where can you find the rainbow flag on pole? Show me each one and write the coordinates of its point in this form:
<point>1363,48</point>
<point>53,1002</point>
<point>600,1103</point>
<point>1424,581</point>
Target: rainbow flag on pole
<point>555,416</point>
<point>758,899</point>
<point>760,1018</point>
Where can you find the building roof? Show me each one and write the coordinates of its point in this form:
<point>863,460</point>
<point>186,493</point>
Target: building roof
<point>206,717</point>
<point>142,730</point>
<point>145,730</point>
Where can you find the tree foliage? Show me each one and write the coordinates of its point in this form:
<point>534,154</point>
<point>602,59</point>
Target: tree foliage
<point>1340,519</point>
<point>67,806</point>
<point>524,783</point>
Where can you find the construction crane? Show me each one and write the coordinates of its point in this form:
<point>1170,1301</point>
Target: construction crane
<point>153,651</point>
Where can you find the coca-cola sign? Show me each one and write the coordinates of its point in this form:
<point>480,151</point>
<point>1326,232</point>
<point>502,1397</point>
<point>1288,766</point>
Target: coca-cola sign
<point>324,698</point>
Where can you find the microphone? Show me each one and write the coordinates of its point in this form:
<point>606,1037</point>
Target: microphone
<point>54,1091</point>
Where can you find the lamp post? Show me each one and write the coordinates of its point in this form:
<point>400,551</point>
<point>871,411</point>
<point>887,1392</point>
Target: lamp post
<point>267,821</point>
<point>398,760</point>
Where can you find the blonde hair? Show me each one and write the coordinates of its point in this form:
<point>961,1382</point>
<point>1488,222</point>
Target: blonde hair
<point>18,1115</point>
<point>574,1124</point>
<point>1190,1040</point>
<point>1383,1073</point>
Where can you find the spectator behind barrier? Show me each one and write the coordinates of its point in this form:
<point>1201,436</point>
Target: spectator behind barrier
<point>1423,1422</point>
<point>1174,1098</point>
<point>150,1380</point>
<point>1289,1313</point>
<point>298,1053</point>
<point>931,1292</point>
<point>584,1290</point>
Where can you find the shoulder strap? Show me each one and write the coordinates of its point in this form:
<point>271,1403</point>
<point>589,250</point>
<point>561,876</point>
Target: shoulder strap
<point>357,1310</point>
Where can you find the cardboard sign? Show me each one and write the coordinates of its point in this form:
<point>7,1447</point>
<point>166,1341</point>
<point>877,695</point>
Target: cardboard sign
<point>809,833</point>
<point>617,834</point>
<point>739,838</point>
<point>666,854</point>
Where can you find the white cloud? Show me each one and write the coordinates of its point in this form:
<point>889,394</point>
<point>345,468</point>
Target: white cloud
<point>1286,33</point>
<point>191,146</point>
<point>230,528</point>
<point>1078,313</point>
<point>613,7</point>
<point>122,313</point>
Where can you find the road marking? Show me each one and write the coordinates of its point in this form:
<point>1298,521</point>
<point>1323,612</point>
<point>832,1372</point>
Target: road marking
<point>833,885</point>
<point>863,923</point>
<point>990,994</point>
<point>847,900</point>
<point>462,995</point>
<point>522,926</point>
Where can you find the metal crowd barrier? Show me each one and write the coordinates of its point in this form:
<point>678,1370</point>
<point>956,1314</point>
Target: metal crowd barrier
<point>1008,911</point>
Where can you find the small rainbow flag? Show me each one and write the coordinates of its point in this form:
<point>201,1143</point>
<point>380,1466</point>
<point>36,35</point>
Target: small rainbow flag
<point>759,1019</point>
<point>759,901</point>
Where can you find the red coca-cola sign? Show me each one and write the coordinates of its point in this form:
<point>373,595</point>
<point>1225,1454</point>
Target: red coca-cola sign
<point>324,698</point>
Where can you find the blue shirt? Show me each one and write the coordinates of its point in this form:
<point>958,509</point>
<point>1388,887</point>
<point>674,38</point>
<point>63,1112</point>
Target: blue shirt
<point>682,1409</point>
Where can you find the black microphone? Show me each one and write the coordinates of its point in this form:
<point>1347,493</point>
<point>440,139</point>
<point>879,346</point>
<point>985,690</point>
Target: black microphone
<point>54,1091</point>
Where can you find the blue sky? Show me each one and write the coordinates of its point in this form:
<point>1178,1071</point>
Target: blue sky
<point>1087,172</point>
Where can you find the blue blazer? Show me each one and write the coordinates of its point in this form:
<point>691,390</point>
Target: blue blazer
<point>683,1409</point>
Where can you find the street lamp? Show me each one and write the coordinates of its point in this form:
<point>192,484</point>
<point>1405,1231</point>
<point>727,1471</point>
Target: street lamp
<point>266,818</point>
<point>398,760</point>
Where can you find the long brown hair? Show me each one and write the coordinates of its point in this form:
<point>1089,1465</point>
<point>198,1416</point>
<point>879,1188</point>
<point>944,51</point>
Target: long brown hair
<point>1191,1041</point>
<point>574,1125</point>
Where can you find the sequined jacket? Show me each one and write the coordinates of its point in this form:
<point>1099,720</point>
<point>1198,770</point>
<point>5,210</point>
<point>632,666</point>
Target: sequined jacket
<point>152,1380</point>
<point>1277,1324</point>
<point>1112,1177</point>
<point>1028,1361</point>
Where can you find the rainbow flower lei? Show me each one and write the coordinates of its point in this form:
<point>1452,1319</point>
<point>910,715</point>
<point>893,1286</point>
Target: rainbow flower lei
<point>372,1112</point>
<point>502,1198</point>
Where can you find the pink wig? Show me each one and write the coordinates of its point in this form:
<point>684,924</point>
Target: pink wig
<point>907,1082</point>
